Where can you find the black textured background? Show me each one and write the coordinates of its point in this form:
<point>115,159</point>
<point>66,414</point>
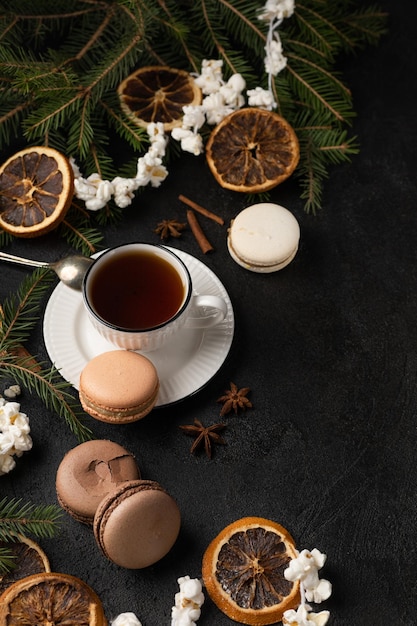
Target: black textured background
<point>328,347</point>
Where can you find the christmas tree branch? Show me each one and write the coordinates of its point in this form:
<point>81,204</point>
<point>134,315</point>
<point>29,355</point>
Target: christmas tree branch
<point>18,316</point>
<point>64,83</point>
<point>19,519</point>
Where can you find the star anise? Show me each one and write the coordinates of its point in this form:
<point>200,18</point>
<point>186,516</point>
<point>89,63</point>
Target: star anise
<point>169,228</point>
<point>235,399</point>
<point>205,435</point>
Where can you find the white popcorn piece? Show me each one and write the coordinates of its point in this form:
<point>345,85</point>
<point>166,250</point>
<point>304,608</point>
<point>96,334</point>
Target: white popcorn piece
<point>7,464</point>
<point>94,191</point>
<point>126,619</point>
<point>211,78</point>
<point>190,141</point>
<point>277,9</point>
<point>124,189</point>
<point>305,568</point>
<point>103,195</point>
<point>194,117</point>
<point>303,617</point>
<point>12,392</point>
<point>216,108</point>
<point>14,434</point>
<point>275,61</point>
<point>150,170</point>
<point>188,602</point>
<point>155,130</point>
<point>261,98</point>
<point>232,91</point>
<point>319,593</point>
<point>157,138</point>
<point>6,443</point>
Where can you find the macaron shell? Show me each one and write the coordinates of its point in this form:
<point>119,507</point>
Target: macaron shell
<point>264,237</point>
<point>137,526</point>
<point>119,386</point>
<point>89,472</point>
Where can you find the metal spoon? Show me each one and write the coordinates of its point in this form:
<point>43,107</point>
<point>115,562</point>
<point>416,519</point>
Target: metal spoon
<point>70,269</point>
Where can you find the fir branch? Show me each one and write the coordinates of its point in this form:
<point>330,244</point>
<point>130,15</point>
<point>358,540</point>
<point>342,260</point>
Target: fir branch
<point>50,387</point>
<point>125,128</point>
<point>81,236</point>
<point>20,518</point>
<point>20,312</point>
<point>18,316</point>
<point>5,238</point>
<point>7,560</point>
<point>62,65</point>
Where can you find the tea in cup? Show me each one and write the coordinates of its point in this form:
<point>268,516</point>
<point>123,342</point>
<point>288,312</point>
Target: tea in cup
<point>138,295</point>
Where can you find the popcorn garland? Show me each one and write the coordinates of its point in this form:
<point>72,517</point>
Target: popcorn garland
<point>305,569</point>
<point>221,98</point>
<point>14,431</point>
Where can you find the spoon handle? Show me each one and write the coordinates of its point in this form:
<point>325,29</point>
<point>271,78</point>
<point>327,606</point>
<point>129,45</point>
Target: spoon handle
<point>4,256</point>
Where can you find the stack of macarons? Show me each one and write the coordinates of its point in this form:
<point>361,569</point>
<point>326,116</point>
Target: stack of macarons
<point>263,237</point>
<point>119,387</point>
<point>135,521</point>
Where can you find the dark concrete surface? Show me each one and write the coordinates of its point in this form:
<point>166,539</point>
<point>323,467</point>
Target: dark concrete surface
<point>328,347</point>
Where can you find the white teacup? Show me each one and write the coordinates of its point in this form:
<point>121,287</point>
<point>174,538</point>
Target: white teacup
<point>138,295</point>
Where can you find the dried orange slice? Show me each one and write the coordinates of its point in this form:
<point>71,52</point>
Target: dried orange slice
<point>36,190</point>
<point>51,598</point>
<point>157,94</point>
<point>252,150</point>
<point>243,571</point>
<point>29,558</point>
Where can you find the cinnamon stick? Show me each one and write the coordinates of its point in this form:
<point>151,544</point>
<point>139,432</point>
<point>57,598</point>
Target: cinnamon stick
<point>198,233</point>
<point>201,209</point>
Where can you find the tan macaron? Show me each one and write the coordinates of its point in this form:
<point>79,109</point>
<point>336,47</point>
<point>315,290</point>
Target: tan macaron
<point>119,387</point>
<point>137,525</point>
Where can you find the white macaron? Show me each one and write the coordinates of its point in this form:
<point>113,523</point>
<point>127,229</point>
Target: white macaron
<point>263,237</point>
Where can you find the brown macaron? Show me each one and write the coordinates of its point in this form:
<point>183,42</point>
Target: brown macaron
<point>88,473</point>
<point>137,525</point>
<point>119,387</point>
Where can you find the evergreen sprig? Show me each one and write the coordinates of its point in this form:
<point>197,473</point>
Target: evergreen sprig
<point>23,518</point>
<point>18,518</point>
<point>60,67</point>
<point>18,316</point>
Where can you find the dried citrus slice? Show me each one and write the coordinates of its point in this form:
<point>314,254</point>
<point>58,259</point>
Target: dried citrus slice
<point>252,150</point>
<point>36,190</point>
<point>50,598</point>
<point>243,571</point>
<point>29,558</point>
<point>157,94</point>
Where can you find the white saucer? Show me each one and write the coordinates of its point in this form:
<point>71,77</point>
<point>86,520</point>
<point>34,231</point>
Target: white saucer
<point>184,365</point>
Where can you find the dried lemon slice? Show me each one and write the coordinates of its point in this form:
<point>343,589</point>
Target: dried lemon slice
<point>29,558</point>
<point>252,150</point>
<point>243,571</point>
<point>51,598</point>
<point>157,94</point>
<point>36,190</point>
